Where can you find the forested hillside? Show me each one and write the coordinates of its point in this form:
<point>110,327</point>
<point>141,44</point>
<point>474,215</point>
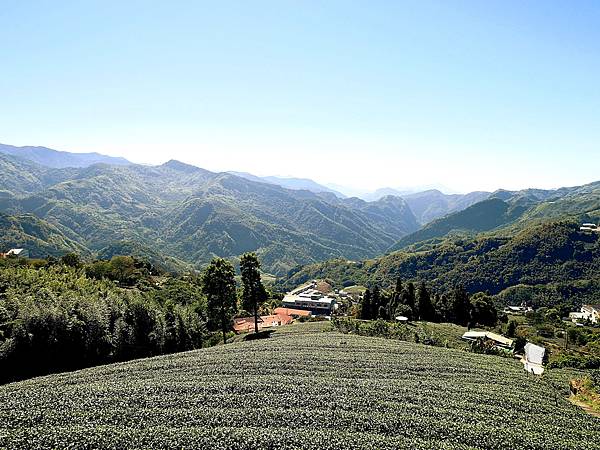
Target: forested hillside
<point>551,263</point>
<point>190,214</point>
<point>482,216</point>
<point>39,237</point>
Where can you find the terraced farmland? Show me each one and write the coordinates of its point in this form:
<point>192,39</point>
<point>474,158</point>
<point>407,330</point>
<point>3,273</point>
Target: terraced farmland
<point>303,388</point>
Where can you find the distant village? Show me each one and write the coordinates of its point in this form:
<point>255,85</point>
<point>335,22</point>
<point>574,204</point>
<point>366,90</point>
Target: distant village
<point>318,300</point>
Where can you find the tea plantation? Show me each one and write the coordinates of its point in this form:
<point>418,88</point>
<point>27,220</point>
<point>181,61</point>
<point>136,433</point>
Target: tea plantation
<point>303,388</point>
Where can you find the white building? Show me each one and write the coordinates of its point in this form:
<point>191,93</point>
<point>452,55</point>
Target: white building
<point>309,299</point>
<point>533,359</point>
<point>577,317</point>
<point>18,252</point>
<point>591,313</point>
<point>512,309</point>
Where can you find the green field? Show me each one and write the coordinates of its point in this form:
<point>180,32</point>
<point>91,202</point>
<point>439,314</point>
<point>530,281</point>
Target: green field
<point>303,388</point>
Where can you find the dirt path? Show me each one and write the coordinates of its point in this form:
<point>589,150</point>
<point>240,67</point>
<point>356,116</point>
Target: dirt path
<point>588,409</point>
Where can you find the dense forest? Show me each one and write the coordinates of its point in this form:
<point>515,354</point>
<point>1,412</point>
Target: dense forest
<point>418,303</point>
<point>64,314</point>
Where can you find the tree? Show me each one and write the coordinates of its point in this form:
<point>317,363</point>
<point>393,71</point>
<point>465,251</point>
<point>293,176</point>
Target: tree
<point>408,296</point>
<point>218,282</point>
<point>483,311</point>
<point>461,306</point>
<point>426,309</point>
<point>398,288</point>
<point>375,302</point>
<point>71,260</point>
<point>440,304</point>
<point>253,293</point>
<point>365,312</point>
<point>511,328</point>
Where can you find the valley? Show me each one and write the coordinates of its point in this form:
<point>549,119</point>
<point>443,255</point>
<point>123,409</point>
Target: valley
<point>124,262</point>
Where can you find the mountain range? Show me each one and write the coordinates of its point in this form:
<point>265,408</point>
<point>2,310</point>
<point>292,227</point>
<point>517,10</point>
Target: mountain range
<point>426,205</point>
<point>189,214</point>
<point>60,159</point>
<point>305,184</point>
<point>504,212</point>
<point>179,216</point>
<point>522,246</point>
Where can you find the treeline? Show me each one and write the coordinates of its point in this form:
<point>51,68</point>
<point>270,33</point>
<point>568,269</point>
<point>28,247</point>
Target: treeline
<point>58,315</point>
<point>456,306</point>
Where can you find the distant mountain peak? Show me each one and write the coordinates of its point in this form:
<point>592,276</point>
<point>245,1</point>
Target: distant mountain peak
<point>305,184</point>
<point>179,166</point>
<point>58,159</point>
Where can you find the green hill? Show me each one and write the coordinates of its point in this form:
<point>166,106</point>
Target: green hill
<point>554,253</point>
<point>301,389</point>
<point>483,216</point>
<point>39,237</point>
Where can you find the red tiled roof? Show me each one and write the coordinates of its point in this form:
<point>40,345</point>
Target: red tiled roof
<point>291,312</point>
<point>279,319</point>
<point>247,323</point>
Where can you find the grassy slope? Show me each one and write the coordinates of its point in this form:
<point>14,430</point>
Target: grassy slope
<point>300,389</point>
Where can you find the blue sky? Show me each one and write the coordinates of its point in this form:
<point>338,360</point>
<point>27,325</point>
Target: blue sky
<point>469,95</point>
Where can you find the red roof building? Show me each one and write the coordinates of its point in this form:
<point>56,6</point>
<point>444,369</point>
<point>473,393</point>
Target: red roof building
<point>246,324</point>
<point>291,312</point>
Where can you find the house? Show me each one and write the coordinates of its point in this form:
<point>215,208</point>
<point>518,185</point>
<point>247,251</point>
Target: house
<point>18,252</point>
<point>295,313</point>
<point>499,340</point>
<point>577,317</point>
<point>276,320</point>
<point>533,359</point>
<point>513,309</point>
<point>246,324</point>
<point>592,312</point>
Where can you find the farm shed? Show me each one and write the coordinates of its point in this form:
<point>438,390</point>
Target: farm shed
<point>533,359</point>
<point>499,340</point>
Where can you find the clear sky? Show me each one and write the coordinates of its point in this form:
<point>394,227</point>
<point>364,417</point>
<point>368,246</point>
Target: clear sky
<point>470,95</point>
